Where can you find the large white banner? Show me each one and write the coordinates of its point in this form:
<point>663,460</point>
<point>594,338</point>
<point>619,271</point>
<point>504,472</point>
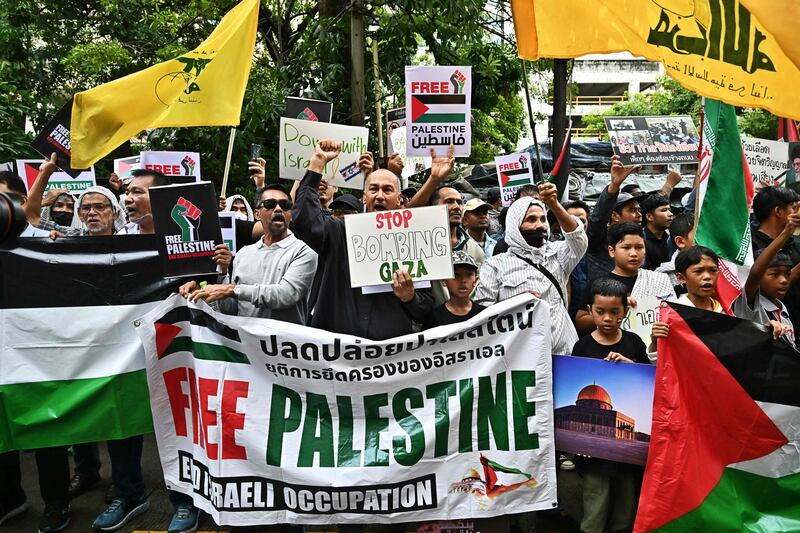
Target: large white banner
<point>265,422</point>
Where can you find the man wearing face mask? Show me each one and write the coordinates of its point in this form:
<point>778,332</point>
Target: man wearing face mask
<point>536,265</point>
<point>62,209</point>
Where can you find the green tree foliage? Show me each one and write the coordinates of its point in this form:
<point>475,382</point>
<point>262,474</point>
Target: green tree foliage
<point>669,98</point>
<point>52,49</point>
<point>758,123</point>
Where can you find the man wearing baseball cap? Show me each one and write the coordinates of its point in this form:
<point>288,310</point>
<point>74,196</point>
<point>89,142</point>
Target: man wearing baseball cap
<point>476,222</point>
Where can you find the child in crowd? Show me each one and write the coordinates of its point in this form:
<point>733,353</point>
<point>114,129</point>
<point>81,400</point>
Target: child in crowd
<point>766,286</point>
<point>459,307</point>
<point>682,235</point>
<point>608,306</point>
<point>626,246</point>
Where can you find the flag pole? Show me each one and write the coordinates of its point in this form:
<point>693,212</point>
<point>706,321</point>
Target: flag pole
<point>228,162</point>
<point>531,122</point>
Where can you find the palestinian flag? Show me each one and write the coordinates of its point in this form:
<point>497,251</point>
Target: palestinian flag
<point>725,193</point>
<point>725,448</point>
<point>438,108</point>
<point>71,363</point>
<point>208,340</point>
<point>491,468</point>
<point>516,177</point>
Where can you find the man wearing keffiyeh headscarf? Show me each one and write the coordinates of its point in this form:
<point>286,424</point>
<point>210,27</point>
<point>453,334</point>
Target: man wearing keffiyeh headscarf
<point>532,260</point>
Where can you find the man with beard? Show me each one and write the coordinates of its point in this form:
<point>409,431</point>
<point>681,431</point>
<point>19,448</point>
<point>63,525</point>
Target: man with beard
<point>536,265</point>
<point>272,278</point>
<point>459,238</point>
<point>340,308</point>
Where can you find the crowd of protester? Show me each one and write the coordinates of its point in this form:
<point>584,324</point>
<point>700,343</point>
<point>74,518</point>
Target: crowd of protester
<point>589,264</point>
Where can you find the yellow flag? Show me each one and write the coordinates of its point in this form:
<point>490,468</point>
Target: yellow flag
<point>743,52</point>
<point>204,87</point>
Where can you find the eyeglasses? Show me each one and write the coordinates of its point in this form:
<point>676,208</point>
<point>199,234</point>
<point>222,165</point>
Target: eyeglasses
<point>271,203</point>
<point>85,208</point>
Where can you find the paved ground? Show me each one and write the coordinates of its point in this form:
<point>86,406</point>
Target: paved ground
<point>86,507</point>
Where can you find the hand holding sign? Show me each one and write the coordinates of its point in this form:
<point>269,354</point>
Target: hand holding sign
<point>366,163</point>
<point>256,169</point>
<point>403,285</point>
<point>324,151</point>
<point>619,173</point>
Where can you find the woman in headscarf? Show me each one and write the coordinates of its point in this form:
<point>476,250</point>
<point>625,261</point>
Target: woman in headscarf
<point>237,204</point>
<point>534,264</point>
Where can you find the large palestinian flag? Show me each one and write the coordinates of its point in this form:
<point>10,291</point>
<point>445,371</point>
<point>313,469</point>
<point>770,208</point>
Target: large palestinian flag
<point>725,448</point>
<point>71,364</point>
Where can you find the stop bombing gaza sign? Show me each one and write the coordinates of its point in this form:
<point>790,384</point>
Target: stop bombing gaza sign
<point>381,242</point>
<point>440,101</point>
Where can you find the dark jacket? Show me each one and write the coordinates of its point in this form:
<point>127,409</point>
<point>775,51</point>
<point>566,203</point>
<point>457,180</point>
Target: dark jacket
<point>599,262</point>
<point>340,308</point>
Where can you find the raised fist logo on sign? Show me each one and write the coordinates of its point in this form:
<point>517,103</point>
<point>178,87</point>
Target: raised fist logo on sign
<point>187,216</point>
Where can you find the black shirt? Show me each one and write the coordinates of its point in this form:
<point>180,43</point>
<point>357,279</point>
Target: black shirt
<point>442,316</point>
<point>630,345</point>
<point>657,250</point>
<point>340,308</point>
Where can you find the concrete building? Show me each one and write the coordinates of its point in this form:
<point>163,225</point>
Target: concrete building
<point>601,81</point>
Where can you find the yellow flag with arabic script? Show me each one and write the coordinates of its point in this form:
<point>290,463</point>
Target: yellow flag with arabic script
<point>743,52</point>
<point>203,87</point>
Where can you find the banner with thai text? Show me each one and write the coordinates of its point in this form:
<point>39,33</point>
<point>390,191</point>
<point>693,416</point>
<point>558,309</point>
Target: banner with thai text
<point>265,422</point>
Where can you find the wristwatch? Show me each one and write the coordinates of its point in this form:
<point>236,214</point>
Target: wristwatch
<point>237,291</point>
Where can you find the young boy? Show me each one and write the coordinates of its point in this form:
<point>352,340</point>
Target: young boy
<point>766,286</point>
<point>682,235</point>
<point>608,305</point>
<point>459,307</point>
<point>627,248</point>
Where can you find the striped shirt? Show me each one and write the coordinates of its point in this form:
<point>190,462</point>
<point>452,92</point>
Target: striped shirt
<point>506,275</point>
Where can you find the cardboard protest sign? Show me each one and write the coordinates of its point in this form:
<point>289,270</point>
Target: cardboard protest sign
<point>395,118</point>
<point>768,160</point>
<point>603,409</point>
<point>187,227</point>
<point>180,167</point>
<point>227,223</point>
<point>304,420</point>
<point>513,172</point>
<point>308,109</point>
<point>412,164</point>
<point>440,100</point>
<point>28,169</point>
<point>640,319</point>
<point>55,137</point>
<point>653,140</point>
<point>297,141</point>
<point>381,242</point>
<point>124,166</point>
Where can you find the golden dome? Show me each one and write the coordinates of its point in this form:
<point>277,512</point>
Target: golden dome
<point>596,393</point>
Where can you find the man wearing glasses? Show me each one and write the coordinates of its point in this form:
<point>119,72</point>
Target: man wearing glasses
<point>272,278</point>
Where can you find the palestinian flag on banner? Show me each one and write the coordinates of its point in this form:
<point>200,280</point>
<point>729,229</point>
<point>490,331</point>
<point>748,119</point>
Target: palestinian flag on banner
<point>209,340</point>
<point>725,448</point>
<point>71,363</point>
<point>725,193</point>
<point>491,468</point>
<point>438,108</point>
